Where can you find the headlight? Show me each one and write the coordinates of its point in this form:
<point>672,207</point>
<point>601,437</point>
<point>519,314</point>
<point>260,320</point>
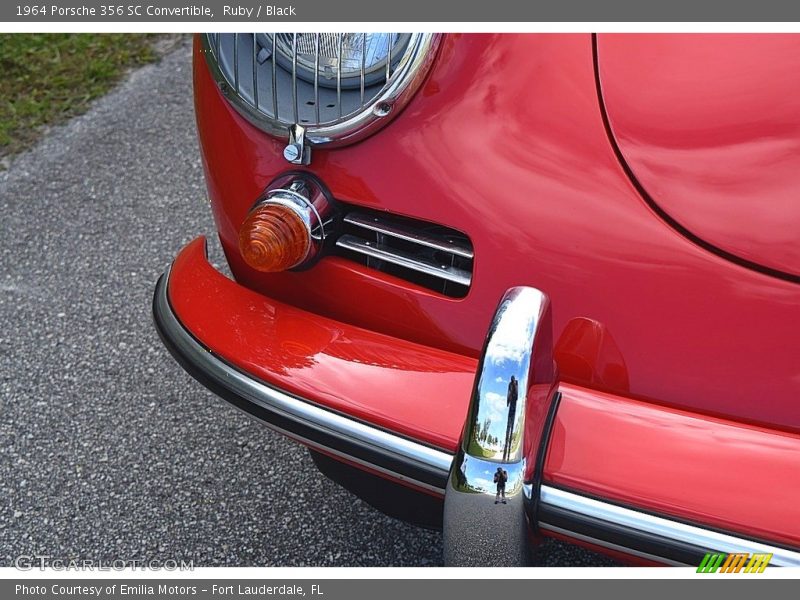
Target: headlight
<point>319,88</point>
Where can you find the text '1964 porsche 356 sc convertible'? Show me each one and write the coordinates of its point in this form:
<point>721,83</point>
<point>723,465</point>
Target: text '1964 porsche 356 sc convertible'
<point>511,285</point>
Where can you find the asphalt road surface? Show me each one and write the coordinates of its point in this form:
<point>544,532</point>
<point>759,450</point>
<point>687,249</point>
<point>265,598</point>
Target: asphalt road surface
<point>108,450</point>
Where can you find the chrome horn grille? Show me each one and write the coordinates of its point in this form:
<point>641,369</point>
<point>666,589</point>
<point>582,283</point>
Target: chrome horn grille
<point>432,256</point>
<point>335,87</point>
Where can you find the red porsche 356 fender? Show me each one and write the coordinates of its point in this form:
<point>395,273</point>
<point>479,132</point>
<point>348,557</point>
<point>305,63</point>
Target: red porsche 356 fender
<point>710,127</point>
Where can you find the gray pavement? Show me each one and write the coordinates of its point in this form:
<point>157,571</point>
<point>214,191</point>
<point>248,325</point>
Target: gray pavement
<point>108,449</point>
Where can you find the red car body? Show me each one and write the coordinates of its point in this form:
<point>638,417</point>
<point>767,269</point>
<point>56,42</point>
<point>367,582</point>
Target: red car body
<point>647,183</point>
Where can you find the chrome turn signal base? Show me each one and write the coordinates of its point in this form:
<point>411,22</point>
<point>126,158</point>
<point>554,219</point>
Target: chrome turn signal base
<point>495,478</point>
<point>288,225</point>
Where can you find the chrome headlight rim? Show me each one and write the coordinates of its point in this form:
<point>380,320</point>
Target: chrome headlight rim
<point>407,77</point>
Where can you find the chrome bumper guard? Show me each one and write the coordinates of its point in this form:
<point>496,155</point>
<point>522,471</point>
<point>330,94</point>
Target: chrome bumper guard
<point>483,525</point>
<point>492,488</point>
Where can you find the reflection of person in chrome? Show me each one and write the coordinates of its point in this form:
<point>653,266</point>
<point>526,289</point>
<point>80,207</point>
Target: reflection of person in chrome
<point>511,403</point>
<point>500,478</point>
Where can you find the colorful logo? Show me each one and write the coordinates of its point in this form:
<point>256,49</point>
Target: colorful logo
<point>744,562</point>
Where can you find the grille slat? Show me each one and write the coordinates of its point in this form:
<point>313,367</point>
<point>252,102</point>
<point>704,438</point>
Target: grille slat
<point>294,79</point>
<point>255,72</point>
<point>236,61</point>
<point>274,78</point>
<point>409,234</point>
<point>339,76</point>
<point>401,259</point>
<point>429,255</point>
<point>389,61</point>
<point>363,70</point>
<point>316,79</point>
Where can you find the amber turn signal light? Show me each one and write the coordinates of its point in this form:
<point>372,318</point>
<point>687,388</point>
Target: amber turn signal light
<point>273,238</point>
<point>288,225</point>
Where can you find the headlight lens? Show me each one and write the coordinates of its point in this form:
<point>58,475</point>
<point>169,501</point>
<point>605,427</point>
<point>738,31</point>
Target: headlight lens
<point>353,51</point>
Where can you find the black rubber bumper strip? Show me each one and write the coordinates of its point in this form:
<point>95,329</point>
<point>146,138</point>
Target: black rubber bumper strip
<point>614,534</point>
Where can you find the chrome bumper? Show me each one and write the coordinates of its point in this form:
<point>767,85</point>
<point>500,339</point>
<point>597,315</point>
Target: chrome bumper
<point>535,505</point>
<point>644,535</point>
